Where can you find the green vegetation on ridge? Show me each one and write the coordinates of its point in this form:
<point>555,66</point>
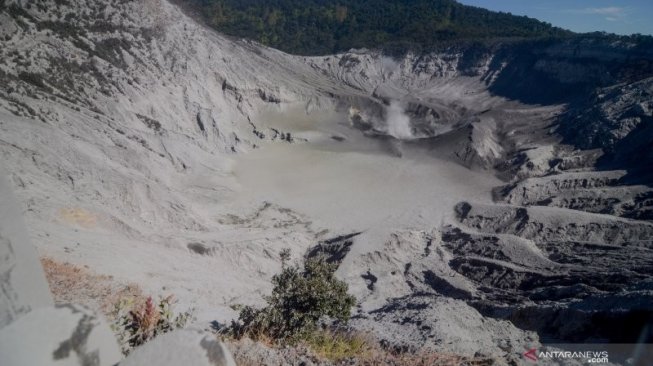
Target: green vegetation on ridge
<point>300,299</point>
<point>313,27</point>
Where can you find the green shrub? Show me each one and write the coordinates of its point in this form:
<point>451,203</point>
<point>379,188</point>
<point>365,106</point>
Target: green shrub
<point>34,79</point>
<point>137,323</point>
<point>150,122</point>
<point>63,29</point>
<point>300,299</point>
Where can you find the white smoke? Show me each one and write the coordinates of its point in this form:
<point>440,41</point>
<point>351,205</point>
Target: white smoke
<point>398,122</point>
<point>388,64</point>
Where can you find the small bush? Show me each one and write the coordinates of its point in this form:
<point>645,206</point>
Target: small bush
<point>300,299</point>
<point>150,122</point>
<point>16,12</point>
<point>137,323</point>
<point>110,49</point>
<point>63,29</point>
<point>33,78</point>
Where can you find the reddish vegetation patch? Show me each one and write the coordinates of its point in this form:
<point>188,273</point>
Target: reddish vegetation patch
<point>74,284</point>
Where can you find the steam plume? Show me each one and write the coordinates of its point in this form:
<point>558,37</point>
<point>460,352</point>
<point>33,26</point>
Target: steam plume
<point>398,122</point>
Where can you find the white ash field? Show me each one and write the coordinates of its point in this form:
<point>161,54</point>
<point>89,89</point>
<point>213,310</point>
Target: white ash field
<point>467,210</point>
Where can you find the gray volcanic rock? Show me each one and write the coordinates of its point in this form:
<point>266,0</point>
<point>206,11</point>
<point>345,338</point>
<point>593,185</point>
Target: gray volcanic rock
<point>32,331</point>
<point>619,120</point>
<point>21,277</point>
<point>62,335</point>
<point>584,260</point>
<point>182,347</point>
<point>413,298</point>
<point>147,147</point>
<point>446,325</point>
<point>542,224</point>
<point>597,192</point>
<point>610,116</point>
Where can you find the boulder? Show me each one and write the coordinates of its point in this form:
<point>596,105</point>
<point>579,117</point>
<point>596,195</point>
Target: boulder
<point>64,335</point>
<point>22,281</point>
<point>182,347</point>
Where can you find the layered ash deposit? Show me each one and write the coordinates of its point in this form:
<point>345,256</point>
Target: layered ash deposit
<point>476,199</point>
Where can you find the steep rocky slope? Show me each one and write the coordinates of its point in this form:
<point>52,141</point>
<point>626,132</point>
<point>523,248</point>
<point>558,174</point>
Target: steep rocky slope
<point>159,152</point>
<point>126,113</point>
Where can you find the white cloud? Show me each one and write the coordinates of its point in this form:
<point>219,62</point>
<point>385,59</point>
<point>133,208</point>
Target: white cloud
<point>610,10</point>
<point>611,13</point>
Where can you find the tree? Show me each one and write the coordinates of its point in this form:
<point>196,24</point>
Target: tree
<point>326,26</point>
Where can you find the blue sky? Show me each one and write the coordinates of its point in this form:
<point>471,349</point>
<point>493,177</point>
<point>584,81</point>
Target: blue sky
<point>614,16</point>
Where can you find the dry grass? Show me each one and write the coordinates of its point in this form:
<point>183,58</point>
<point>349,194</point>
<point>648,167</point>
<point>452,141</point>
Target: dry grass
<point>74,284</point>
<point>338,346</point>
<point>422,358</point>
<point>327,348</point>
<point>341,348</point>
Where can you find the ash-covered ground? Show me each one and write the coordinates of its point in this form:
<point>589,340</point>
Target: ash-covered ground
<point>476,202</point>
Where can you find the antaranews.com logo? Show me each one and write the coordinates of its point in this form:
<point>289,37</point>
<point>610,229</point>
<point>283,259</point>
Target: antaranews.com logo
<point>589,357</point>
